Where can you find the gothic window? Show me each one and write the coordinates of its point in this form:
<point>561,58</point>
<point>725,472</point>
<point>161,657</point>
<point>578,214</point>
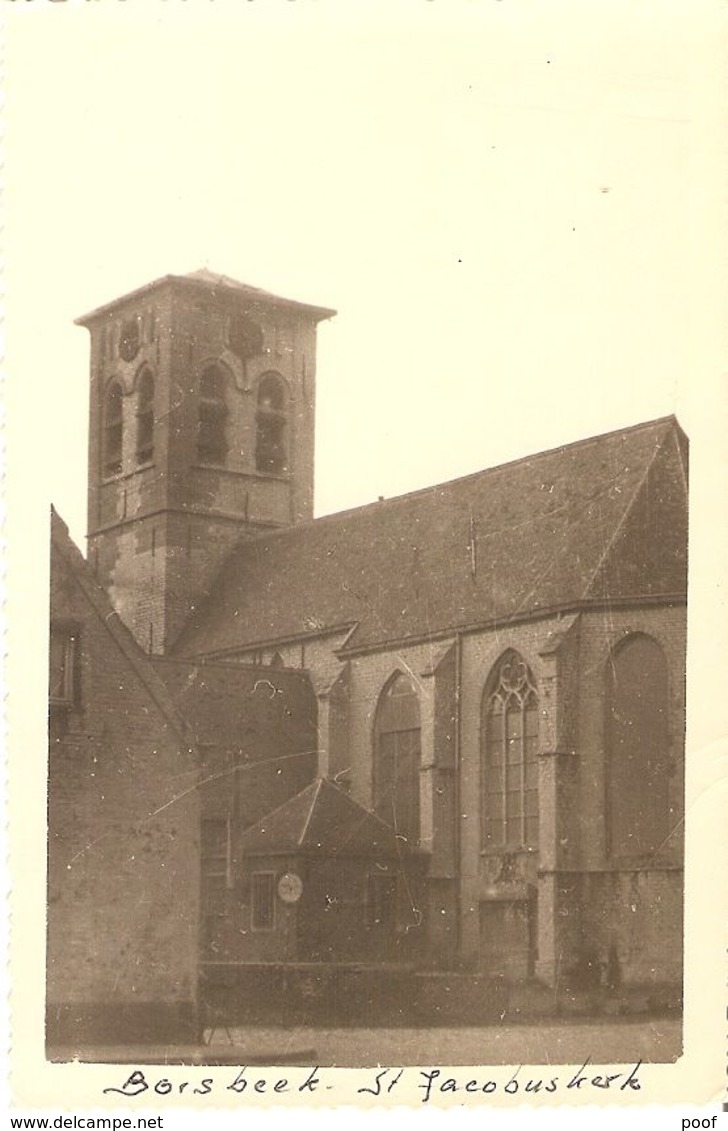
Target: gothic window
<point>145,418</point>
<point>638,763</point>
<point>270,446</point>
<point>397,758</point>
<point>212,443</point>
<point>509,757</point>
<point>113,429</point>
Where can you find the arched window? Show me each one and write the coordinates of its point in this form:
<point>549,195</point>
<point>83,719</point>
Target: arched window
<point>145,418</point>
<point>397,758</point>
<point>113,429</point>
<point>638,763</point>
<point>212,443</point>
<point>509,758</point>
<point>270,445</point>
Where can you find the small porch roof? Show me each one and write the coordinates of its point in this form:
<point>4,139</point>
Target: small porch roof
<point>323,820</point>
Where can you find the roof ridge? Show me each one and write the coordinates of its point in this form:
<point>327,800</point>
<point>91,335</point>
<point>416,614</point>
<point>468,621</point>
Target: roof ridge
<point>318,784</point>
<point>201,662</point>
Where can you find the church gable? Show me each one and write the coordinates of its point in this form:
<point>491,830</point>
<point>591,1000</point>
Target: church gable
<point>648,555</point>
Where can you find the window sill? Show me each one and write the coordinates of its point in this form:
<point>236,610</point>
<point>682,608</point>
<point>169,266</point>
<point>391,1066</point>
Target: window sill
<point>510,850</point>
<point>243,473</point>
<point>118,476</point>
<point>284,475</point>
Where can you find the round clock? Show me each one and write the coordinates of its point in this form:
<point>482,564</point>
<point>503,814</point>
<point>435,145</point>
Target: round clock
<point>245,337</point>
<point>290,887</point>
<point>129,340</point>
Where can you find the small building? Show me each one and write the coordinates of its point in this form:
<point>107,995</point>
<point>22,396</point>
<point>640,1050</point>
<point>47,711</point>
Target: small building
<point>123,828</point>
<point>328,881</point>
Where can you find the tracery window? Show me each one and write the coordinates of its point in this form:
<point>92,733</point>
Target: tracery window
<point>145,418</point>
<point>270,446</point>
<point>509,756</point>
<point>638,760</point>
<point>113,429</point>
<point>397,758</point>
<point>212,445</point>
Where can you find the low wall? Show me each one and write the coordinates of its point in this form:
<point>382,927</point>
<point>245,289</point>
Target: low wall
<point>347,994</point>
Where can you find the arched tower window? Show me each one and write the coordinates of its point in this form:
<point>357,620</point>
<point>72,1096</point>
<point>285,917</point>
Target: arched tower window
<point>113,429</point>
<point>271,439</point>
<point>212,445</point>
<point>145,418</point>
<point>638,762</point>
<point>509,756</point>
<point>397,758</point>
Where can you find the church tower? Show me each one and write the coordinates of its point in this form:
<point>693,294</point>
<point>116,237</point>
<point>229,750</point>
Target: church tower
<point>201,433</point>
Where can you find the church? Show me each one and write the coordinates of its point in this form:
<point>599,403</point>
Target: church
<point>433,738</point>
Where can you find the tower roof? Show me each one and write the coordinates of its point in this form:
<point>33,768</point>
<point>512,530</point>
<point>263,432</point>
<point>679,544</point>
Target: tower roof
<point>208,283</point>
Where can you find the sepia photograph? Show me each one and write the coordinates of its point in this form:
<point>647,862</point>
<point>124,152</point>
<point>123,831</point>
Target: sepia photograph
<point>366,350</point>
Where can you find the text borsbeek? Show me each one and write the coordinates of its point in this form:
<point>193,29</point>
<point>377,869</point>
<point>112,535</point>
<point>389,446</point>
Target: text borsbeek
<point>382,1082</point>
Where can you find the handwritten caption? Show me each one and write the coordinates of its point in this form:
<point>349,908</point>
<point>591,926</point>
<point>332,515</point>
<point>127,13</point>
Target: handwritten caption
<point>429,1083</point>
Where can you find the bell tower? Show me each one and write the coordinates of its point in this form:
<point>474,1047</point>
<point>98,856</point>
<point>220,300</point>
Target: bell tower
<point>201,433</point>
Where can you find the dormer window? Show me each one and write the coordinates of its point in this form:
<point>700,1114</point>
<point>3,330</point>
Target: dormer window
<point>145,418</point>
<point>113,429</point>
<point>212,445</point>
<point>270,447</point>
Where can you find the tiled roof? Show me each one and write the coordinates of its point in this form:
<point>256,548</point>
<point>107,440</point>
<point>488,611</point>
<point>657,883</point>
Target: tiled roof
<point>322,818</point>
<point>602,519</point>
<point>213,284</point>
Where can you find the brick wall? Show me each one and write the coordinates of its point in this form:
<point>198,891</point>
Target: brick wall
<point>123,882</point>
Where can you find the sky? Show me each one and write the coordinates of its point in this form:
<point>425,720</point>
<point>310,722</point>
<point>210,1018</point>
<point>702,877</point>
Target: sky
<point>501,200</point>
